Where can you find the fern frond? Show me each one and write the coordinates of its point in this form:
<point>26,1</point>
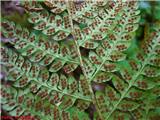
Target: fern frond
<point>72,46</point>
<point>139,76</point>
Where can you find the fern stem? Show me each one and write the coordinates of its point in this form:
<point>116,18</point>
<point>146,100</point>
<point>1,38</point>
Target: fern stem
<point>77,47</point>
<point>132,82</point>
<point>81,62</point>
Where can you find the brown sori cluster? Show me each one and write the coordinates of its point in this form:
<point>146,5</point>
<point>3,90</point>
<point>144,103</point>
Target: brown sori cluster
<point>63,82</point>
<point>23,81</point>
<point>82,105</point>
<point>50,61</point>
<point>95,60</point>
<point>102,105</point>
<point>85,87</point>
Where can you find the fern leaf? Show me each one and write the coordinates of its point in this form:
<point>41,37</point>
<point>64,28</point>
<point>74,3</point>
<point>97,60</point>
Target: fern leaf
<point>56,65</point>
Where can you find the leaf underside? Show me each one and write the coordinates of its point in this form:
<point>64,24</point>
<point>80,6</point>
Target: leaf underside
<point>72,45</point>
